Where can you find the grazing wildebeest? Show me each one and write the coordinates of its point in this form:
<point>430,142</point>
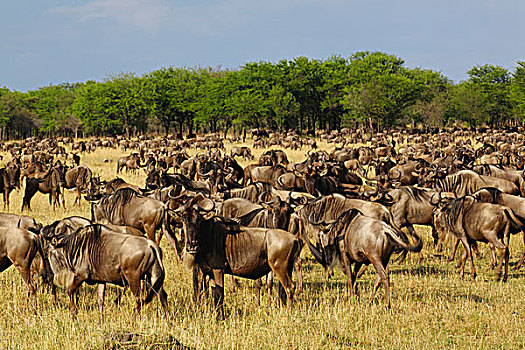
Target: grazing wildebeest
<point>18,247</point>
<point>472,221</point>
<point>126,207</point>
<point>50,183</point>
<point>97,255</point>
<point>218,245</point>
<point>354,238</point>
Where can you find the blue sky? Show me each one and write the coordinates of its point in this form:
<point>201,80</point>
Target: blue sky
<point>56,41</point>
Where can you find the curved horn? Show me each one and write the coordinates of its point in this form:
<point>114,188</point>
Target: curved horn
<point>181,195</point>
<point>432,202</point>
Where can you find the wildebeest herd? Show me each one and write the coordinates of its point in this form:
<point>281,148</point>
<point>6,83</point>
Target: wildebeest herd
<point>347,205</point>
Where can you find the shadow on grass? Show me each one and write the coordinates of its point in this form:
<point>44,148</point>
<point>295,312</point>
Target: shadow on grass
<point>137,341</point>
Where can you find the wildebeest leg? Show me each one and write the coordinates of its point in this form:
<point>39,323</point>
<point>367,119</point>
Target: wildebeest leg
<point>412,232</point>
<point>134,287</point>
<point>197,284</point>
<point>77,281</point>
<point>150,232</point>
<point>163,298</point>
<point>507,254</point>
<point>284,274</point>
<point>504,248</point>
<point>217,286</point>
<point>233,284</point>
<point>6,198</point>
<point>269,285</point>
<point>299,271</point>
<point>466,245</point>
<point>101,291</point>
<point>26,277</point>
<point>382,276</point>
<point>493,255</point>
<point>61,194</point>
<point>522,257</point>
<point>79,197</point>
<point>453,254</point>
<point>347,268</point>
<point>357,273</point>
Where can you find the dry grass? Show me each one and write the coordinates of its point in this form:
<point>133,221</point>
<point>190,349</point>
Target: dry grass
<point>432,307</point>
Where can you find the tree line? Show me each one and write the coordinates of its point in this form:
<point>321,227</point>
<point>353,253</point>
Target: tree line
<point>372,89</point>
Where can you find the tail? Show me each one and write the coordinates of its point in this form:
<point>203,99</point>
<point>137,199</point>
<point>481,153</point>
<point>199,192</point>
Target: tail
<point>391,232</point>
<point>157,274</point>
<point>296,251</point>
<point>517,224</point>
<point>170,234</point>
<point>46,273</point>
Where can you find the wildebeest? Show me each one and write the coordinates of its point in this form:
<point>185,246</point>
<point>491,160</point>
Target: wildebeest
<point>465,182</point>
<point>18,247</point>
<point>515,203</point>
<point>126,207</point>
<point>50,183</point>
<point>20,221</point>
<point>9,180</point>
<point>243,152</point>
<point>329,208</point>
<point>472,221</point>
<point>410,205</point>
<point>275,214</point>
<point>265,173</point>
<point>356,239</point>
<point>97,255</point>
<point>515,176</point>
<point>79,177</point>
<point>131,162</point>
<point>218,245</point>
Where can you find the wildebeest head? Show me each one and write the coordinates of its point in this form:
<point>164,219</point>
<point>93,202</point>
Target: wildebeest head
<point>153,179</point>
<point>191,215</point>
<point>13,175</point>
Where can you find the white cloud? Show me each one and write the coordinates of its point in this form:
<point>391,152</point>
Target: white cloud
<point>144,14</point>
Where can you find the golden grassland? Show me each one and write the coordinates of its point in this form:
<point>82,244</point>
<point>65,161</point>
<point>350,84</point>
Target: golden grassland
<point>431,306</point>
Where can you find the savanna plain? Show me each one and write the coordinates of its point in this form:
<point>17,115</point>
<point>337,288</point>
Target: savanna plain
<point>431,306</point>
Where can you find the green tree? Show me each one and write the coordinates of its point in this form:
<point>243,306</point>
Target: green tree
<point>380,89</point>
<point>517,91</point>
<point>434,101</point>
<point>53,104</point>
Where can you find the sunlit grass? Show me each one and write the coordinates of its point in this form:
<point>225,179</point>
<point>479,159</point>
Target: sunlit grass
<point>431,306</point>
